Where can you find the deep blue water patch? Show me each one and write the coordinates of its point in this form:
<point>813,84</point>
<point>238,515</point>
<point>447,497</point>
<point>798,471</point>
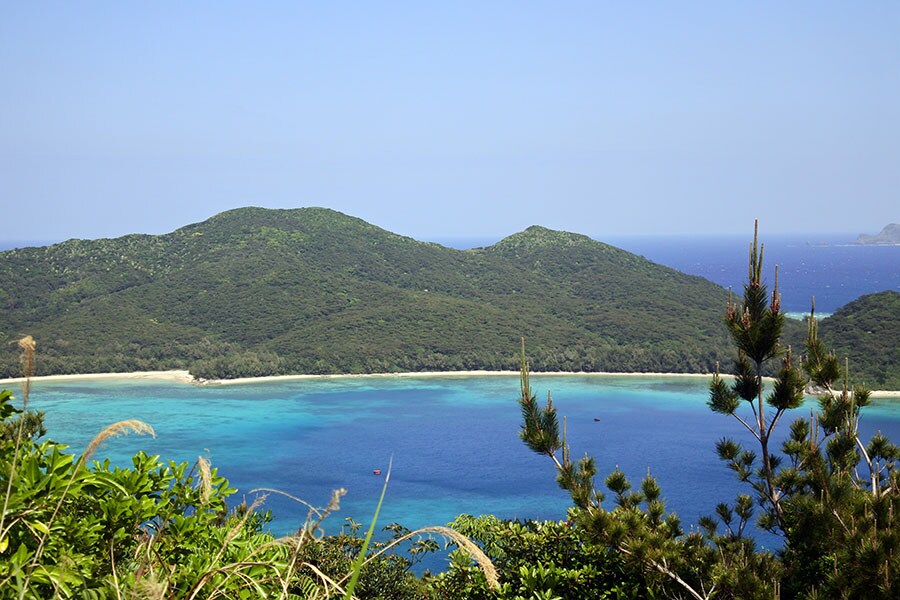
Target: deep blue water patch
<point>827,266</point>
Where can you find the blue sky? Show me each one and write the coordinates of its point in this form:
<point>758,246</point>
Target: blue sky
<point>451,119</point>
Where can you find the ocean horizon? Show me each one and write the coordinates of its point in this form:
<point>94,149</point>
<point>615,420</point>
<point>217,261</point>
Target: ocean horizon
<point>827,266</point>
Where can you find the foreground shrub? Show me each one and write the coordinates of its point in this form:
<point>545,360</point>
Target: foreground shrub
<point>537,559</point>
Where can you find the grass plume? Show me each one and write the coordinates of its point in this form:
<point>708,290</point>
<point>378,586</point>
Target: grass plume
<point>27,345</point>
<point>114,430</point>
<point>464,543</point>
<point>470,548</point>
<point>205,478</point>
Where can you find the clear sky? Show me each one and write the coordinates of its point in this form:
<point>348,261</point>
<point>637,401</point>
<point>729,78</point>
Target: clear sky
<point>441,119</point>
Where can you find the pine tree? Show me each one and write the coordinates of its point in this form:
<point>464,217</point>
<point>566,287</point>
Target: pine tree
<point>755,327</point>
<point>835,497</point>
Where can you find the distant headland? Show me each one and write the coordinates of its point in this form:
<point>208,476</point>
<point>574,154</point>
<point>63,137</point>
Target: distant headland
<point>889,236</point>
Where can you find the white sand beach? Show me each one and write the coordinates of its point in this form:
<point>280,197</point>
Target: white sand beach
<point>185,377</point>
<point>443,374</point>
<point>179,376</point>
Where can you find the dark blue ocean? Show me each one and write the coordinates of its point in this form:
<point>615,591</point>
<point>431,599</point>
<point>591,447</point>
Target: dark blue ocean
<point>828,267</point>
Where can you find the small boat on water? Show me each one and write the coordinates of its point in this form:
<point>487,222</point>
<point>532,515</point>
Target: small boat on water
<point>376,472</point>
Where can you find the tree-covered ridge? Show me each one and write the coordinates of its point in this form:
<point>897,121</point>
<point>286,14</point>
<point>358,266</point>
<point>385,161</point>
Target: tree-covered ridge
<point>866,331</point>
<point>256,291</point>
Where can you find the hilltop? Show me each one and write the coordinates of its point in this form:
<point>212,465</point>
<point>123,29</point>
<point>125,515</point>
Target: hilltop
<point>257,291</point>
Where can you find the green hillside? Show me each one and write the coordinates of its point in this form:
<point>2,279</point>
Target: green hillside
<point>256,291</point>
<point>866,331</point>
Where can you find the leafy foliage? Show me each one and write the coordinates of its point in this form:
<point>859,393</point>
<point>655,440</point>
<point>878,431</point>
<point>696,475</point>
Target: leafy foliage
<point>75,530</point>
<point>537,559</point>
<point>386,576</point>
<point>866,332</point>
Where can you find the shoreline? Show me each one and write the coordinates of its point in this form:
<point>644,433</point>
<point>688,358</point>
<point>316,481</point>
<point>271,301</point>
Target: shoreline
<point>186,378</point>
<point>177,376</point>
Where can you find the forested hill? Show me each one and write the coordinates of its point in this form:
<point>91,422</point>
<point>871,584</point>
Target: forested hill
<point>256,291</point>
<point>867,332</point>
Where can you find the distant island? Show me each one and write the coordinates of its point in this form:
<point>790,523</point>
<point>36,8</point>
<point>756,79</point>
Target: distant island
<point>889,236</point>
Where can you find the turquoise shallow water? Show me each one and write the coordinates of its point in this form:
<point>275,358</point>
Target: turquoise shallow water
<point>453,439</point>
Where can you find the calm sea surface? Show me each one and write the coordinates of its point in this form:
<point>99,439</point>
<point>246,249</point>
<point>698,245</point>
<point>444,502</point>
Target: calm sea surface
<point>828,267</point>
<point>453,439</point>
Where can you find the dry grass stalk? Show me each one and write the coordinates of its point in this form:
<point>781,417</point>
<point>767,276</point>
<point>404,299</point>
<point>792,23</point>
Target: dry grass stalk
<point>116,429</point>
<point>232,570</point>
<point>311,526</point>
<point>326,581</point>
<point>232,533</point>
<point>112,563</point>
<point>205,479</point>
<point>470,548</point>
<point>148,588</point>
<point>312,509</point>
<point>464,543</point>
<point>27,345</point>
<point>295,542</point>
<point>333,505</point>
<point>240,525</point>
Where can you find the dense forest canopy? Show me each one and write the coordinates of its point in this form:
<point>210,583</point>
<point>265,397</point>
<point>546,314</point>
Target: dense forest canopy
<point>867,333</point>
<point>255,291</point>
